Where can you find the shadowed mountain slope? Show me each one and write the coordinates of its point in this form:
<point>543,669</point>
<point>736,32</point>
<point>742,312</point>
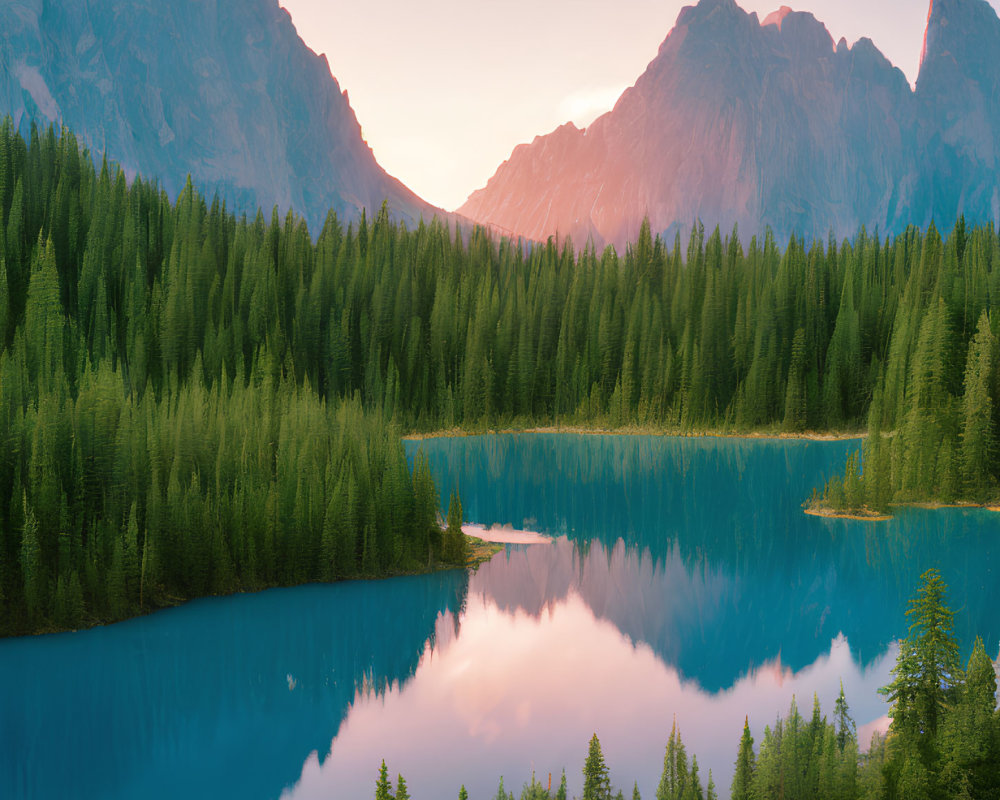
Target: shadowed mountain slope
<point>223,90</point>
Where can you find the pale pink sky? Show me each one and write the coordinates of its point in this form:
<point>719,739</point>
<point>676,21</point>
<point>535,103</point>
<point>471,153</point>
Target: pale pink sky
<point>505,698</point>
<point>445,89</point>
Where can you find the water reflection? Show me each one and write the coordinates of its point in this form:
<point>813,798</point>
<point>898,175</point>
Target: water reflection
<point>699,547</point>
<point>683,579</point>
<point>519,691</point>
<point>219,698</point>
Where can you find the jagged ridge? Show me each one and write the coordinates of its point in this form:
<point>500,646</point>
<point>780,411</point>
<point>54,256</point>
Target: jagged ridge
<point>224,90</point>
<point>738,122</point>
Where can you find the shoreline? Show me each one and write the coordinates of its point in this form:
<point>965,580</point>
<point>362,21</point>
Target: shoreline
<point>858,515</point>
<point>503,534</point>
<point>478,552</point>
<point>806,436</point>
<point>865,515</point>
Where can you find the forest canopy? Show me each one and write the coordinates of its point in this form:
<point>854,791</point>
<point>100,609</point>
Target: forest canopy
<point>192,402</point>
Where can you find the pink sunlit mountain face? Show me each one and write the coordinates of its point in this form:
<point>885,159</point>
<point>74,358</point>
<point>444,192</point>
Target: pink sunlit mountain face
<point>225,91</point>
<point>739,122</point>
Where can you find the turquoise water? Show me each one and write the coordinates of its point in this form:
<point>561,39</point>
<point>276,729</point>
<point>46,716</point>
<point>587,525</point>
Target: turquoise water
<point>683,581</point>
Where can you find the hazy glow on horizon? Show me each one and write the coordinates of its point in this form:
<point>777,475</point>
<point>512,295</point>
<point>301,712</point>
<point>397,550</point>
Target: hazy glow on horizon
<point>445,89</point>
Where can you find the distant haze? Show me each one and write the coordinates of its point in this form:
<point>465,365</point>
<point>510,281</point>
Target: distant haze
<point>445,89</point>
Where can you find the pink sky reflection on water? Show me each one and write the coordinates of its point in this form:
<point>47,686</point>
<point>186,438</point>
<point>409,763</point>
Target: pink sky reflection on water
<point>513,692</point>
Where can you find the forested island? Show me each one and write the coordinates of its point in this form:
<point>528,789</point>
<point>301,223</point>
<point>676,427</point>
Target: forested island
<point>194,403</point>
<point>943,740</point>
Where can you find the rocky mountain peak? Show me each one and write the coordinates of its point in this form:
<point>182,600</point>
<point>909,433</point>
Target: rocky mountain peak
<point>777,17</point>
<point>773,124</point>
<point>222,89</point>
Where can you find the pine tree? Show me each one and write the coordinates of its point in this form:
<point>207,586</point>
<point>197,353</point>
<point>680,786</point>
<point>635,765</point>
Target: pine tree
<point>846,728</point>
<point>979,435</point>
<point>383,790</point>
<point>501,792</point>
<point>692,785</point>
<point>925,683</point>
<point>596,781</point>
<point>454,537</point>
<point>674,778</point>
<point>970,737</point>
<point>745,765</point>
<point>796,407</point>
<point>562,792</point>
<point>31,564</point>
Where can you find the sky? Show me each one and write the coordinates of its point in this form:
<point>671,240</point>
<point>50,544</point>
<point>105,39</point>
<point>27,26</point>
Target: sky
<point>445,89</point>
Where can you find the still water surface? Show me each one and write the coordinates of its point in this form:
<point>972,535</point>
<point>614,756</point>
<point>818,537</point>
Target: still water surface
<point>683,581</point>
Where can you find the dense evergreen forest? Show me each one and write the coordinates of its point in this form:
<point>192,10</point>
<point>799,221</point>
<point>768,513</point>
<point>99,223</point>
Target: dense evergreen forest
<point>192,402</point>
<point>158,442</point>
<point>934,417</point>
<point>943,741</point>
<point>439,328</point>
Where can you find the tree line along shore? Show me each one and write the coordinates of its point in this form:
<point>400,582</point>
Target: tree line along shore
<point>193,402</point>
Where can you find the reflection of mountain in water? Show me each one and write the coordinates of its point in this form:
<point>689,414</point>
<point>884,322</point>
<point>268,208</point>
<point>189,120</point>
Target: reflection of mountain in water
<point>699,547</point>
<point>218,698</point>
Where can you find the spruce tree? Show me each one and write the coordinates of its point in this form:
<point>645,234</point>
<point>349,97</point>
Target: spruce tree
<point>926,682</point>
<point>383,790</point>
<point>596,781</point>
<point>745,765</point>
<point>562,792</point>
<point>454,538</point>
<point>979,435</point>
<point>845,725</point>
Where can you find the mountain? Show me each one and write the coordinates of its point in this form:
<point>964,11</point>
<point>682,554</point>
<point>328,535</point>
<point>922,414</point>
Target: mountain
<point>750,123</point>
<point>958,93</point>
<point>222,89</point>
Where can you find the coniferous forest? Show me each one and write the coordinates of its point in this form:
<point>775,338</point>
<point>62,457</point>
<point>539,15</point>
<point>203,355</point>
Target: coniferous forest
<point>943,739</point>
<point>193,403</point>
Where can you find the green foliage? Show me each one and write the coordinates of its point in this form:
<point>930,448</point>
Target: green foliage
<point>534,790</point>
<point>933,420</point>
<point>927,674</point>
<point>979,430</point>
<point>970,738</point>
<point>503,794</point>
<point>383,789</point>
<point>943,740</point>
<point>192,403</point>
<point>745,765</point>
<point>596,781</point>
<point>454,549</point>
<point>846,728</point>
<point>675,777</point>
<point>166,414</point>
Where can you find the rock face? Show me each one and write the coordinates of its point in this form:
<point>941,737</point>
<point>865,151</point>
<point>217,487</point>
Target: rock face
<point>222,89</point>
<point>958,94</point>
<point>771,124</point>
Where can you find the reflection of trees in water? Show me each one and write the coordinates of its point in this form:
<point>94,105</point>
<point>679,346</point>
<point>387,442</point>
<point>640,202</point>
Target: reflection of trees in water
<point>699,547</point>
<point>225,696</point>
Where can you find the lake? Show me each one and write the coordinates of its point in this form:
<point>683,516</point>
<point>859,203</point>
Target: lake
<point>682,581</point>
